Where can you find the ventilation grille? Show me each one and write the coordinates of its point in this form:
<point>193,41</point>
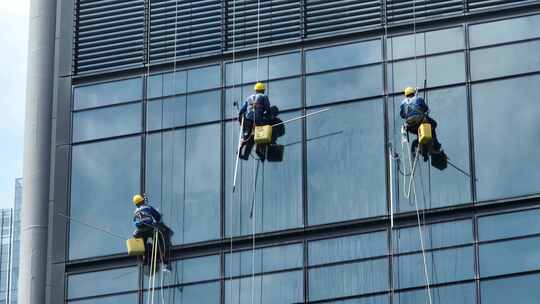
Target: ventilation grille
<point>329,16</point>
<point>407,10</point>
<point>197,25</point>
<point>109,34</point>
<point>279,20</point>
<point>475,5</point>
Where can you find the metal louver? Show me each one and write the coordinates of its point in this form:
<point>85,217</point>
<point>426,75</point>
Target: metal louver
<point>406,10</point>
<point>109,34</point>
<point>279,20</point>
<point>483,4</point>
<point>328,16</point>
<point>198,28</point>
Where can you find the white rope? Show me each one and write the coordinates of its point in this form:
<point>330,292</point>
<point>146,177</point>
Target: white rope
<point>253,223</point>
<point>415,56</point>
<point>258,35</point>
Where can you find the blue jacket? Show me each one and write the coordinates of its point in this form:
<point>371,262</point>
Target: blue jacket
<point>255,107</point>
<point>413,109</point>
<point>146,215</point>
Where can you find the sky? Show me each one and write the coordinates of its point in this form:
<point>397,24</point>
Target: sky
<point>13,53</point>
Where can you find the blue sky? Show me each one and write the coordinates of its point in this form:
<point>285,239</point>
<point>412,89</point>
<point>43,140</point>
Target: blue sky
<point>13,52</point>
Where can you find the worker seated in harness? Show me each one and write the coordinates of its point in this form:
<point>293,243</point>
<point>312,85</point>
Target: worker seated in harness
<point>415,112</point>
<point>255,111</point>
<point>147,220</point>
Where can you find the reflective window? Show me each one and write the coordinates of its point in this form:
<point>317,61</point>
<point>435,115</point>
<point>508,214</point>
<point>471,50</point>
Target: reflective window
<point>463,294</point>
<point>522,290</point>
<point>104,177</point>
<point>175,83</point>
<point>348,279</point>
<point>266,260</point>
<point>284,287</point>
<point>107,93</point>
<point>102,282</point>
<point>278,200</point>
<point>238,95</point>
<point>509,225</point>
<point>451,39</point>
<point>365,300</point>
<point>207,293</point>
<point>346,143</point>
<point>284,65</point>
<point>250,68</point>
<point>166,113</point>
<point>504,31</point>
<point>204,78</point>
<point>448,265</point>
<point>344,85</point>
<point>441,70</point>
<point>154,86</point>
<point>435,188</point>
<point>107,122</point>
<point>204,107</point>
<point>518,58</point>
<point>518,175</point>
<point>343,56</point>
<point>285,94</point>
<point>348,248</point>
<point>509,256</point>
<point>119,299</point>
<point>434,236</point>
<point>191,270</point>
<point>190,206</point>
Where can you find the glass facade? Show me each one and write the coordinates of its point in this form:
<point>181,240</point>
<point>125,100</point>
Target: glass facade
<point>321,217</point>
<point>10,225</point>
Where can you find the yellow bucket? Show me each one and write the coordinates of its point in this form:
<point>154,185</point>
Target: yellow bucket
<point>263,134</point>
<point>135,247</point>
<point>425,135</point>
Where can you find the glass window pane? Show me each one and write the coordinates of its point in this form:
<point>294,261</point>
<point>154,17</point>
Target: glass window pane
<point>285,65</point>
<point>207,293</point>
<point>504,31</point>
<point>518,58</point>
<point>401,74</point>
<point>107,93</point>
<point>348,279</point>
<point>236,95</point>
<point>509,256</point>
<point>204,107</point>
<point>190,206</point>
<point>348,248</point>
<point>166,113</point>
<point>103,282</point>
<point>448,265</point>
<point>435,42</point>
<point>191,270</point>
<point>174,83</point>
<point>278,203</point>
<point>234,73</point>
<point>107,122</point>
<point>250,69</point>
<point>497,144</point>
<point>155,86</point>
<point>204,78</point>
<point>285,94</point>
<point>344,85</point>
<point>436,188</point>
<point>343,56</point>
<point>522,290</point>
<point>453,294</point>
<point>266,260</point>
<point>435,236</point>
<point>508,225</point>
<point>273,288</point>
<point>336,141</point>
<point>364,300</point>
<point>104,176</point>
<point>131,298</point>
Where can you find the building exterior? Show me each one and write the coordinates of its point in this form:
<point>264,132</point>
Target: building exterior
<point>16,242</point>
<point>142,99</point>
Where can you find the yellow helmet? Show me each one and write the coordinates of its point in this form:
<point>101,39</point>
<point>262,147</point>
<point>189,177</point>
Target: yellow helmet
<point>259,87</point>
<point>138,199</point>
<point>409,91</point>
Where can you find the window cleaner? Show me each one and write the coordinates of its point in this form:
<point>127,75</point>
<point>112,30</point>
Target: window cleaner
<point>415,112</point>
<point>257,118</point>
<point>148,221</point>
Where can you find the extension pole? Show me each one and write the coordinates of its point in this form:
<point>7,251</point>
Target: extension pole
<point>238,154</point>
<point>300,117</point>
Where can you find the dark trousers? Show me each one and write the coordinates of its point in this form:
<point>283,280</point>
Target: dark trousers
<point>163,242</point>
<point>435,145</point>
<point>248,141</point>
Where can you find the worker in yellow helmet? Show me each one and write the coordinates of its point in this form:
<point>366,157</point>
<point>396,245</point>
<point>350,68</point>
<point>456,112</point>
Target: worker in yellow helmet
<point>147,220</point>
<point>254,112</point>
<point>414,111</point>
